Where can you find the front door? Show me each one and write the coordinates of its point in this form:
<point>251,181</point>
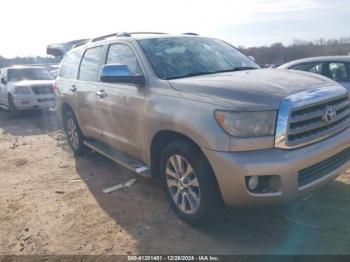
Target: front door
<point>121,109</point>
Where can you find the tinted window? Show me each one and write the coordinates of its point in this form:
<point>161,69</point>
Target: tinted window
<point>339,71</point>
<point>314,67</point>
<point>20,74</point>
<point>89,68</point>
<point>70,64</point>
<point>177,57</point>
<point>122,54</point>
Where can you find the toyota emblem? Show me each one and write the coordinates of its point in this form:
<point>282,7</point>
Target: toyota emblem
<point>329,115</point>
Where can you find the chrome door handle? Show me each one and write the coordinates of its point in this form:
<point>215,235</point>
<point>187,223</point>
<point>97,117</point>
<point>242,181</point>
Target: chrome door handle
<point>101,93</point>
<point>73,88</point>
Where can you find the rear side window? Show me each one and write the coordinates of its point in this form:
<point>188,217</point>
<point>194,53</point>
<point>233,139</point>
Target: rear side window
<point>339,71</point>
<point>70,64</point>
<point>312,67</point>
<point>89,67</point>
<point>122,54</point>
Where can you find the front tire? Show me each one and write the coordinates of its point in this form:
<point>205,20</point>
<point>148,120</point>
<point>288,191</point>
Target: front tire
<point>189,182</point>
<point>73,133</point>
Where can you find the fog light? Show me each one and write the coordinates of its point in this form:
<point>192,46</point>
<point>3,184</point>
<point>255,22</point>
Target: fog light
<point>253,183</point>
<point>263,184</point>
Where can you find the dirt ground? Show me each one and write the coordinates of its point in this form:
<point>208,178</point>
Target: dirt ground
<point>52,203</point>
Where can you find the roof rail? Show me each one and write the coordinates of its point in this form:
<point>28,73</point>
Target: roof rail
<point>99,38</point>
<point>190,34</point>
<point>123,34</point>
<point>120,34</point>
<point>147,33</point>
<point>82,42</point>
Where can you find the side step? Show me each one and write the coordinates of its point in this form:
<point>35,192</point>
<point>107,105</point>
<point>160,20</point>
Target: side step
<point>119,157</point>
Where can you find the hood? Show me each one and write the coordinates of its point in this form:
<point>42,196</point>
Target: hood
<point>261,88</point>
<point>34,83</point>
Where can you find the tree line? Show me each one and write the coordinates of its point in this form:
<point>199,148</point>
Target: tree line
<point>278,53</point>
<point>4,62</point>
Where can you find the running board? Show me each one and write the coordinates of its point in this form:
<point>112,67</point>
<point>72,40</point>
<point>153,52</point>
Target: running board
<point>119,157</point>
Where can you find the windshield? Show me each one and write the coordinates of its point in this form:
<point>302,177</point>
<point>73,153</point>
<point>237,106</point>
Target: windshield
<point>178,57</point>
<point>20,74</point>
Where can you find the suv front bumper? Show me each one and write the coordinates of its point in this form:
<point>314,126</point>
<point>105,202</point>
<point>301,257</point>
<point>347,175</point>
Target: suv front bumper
<point>231,169</point>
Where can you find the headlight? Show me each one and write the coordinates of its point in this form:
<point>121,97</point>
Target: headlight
<point>247,124</point>
<point>22,90</point>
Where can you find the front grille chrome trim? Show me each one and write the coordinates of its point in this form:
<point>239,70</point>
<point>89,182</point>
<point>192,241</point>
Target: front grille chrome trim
<point>304,100</point>
<point>42,89</point>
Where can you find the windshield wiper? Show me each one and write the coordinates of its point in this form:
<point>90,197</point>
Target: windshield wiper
<point>240,68</point>
<point>189,75</point>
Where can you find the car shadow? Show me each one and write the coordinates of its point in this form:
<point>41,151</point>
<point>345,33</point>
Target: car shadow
<point>22,125</point>
<point>317,224</point>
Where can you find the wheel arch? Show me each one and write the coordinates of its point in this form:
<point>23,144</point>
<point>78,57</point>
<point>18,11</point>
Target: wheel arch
<point>65,107</point>
<point>163,138</point>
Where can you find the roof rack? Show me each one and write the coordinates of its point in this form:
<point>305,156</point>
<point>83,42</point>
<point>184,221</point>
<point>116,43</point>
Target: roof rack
<point>123,34</point>
<point>81,42</point>
<point>147,33</point>
<point>190,34</point>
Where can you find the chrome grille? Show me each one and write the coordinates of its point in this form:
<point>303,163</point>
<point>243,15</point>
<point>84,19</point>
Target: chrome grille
<point>41,90</point>
<point>307,123</point>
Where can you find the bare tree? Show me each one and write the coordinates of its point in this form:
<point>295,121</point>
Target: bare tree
<point>277,53</point>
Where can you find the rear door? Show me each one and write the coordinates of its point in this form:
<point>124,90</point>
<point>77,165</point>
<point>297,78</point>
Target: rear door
<point>67,75</point>
<point>86,87</point>
<point>121,111</point>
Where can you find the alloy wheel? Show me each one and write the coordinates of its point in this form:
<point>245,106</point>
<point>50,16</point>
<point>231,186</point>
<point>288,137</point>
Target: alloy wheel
<point>182,184</point>
<point>72,133</point>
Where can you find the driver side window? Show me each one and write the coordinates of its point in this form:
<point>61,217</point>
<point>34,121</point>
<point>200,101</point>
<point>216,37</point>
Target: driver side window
<point>123,54</point>
<point>313,67</point>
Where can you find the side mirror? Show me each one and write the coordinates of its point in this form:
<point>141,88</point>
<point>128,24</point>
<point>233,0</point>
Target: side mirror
<point>119,73</point>
<point>3,81</point>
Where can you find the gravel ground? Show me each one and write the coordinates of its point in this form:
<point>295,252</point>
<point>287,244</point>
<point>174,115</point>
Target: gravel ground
<point>52,203</point>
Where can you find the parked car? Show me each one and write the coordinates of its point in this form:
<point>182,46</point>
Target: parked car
<point>202,117</point>
<point>334,67</point>
<point>26,88</point>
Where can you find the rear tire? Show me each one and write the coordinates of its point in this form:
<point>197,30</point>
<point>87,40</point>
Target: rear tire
<point>189,182</point>
<point>73,133</point>
<point>12,110</point>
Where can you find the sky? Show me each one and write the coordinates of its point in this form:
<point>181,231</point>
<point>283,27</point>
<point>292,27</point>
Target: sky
<point>28,26</point>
